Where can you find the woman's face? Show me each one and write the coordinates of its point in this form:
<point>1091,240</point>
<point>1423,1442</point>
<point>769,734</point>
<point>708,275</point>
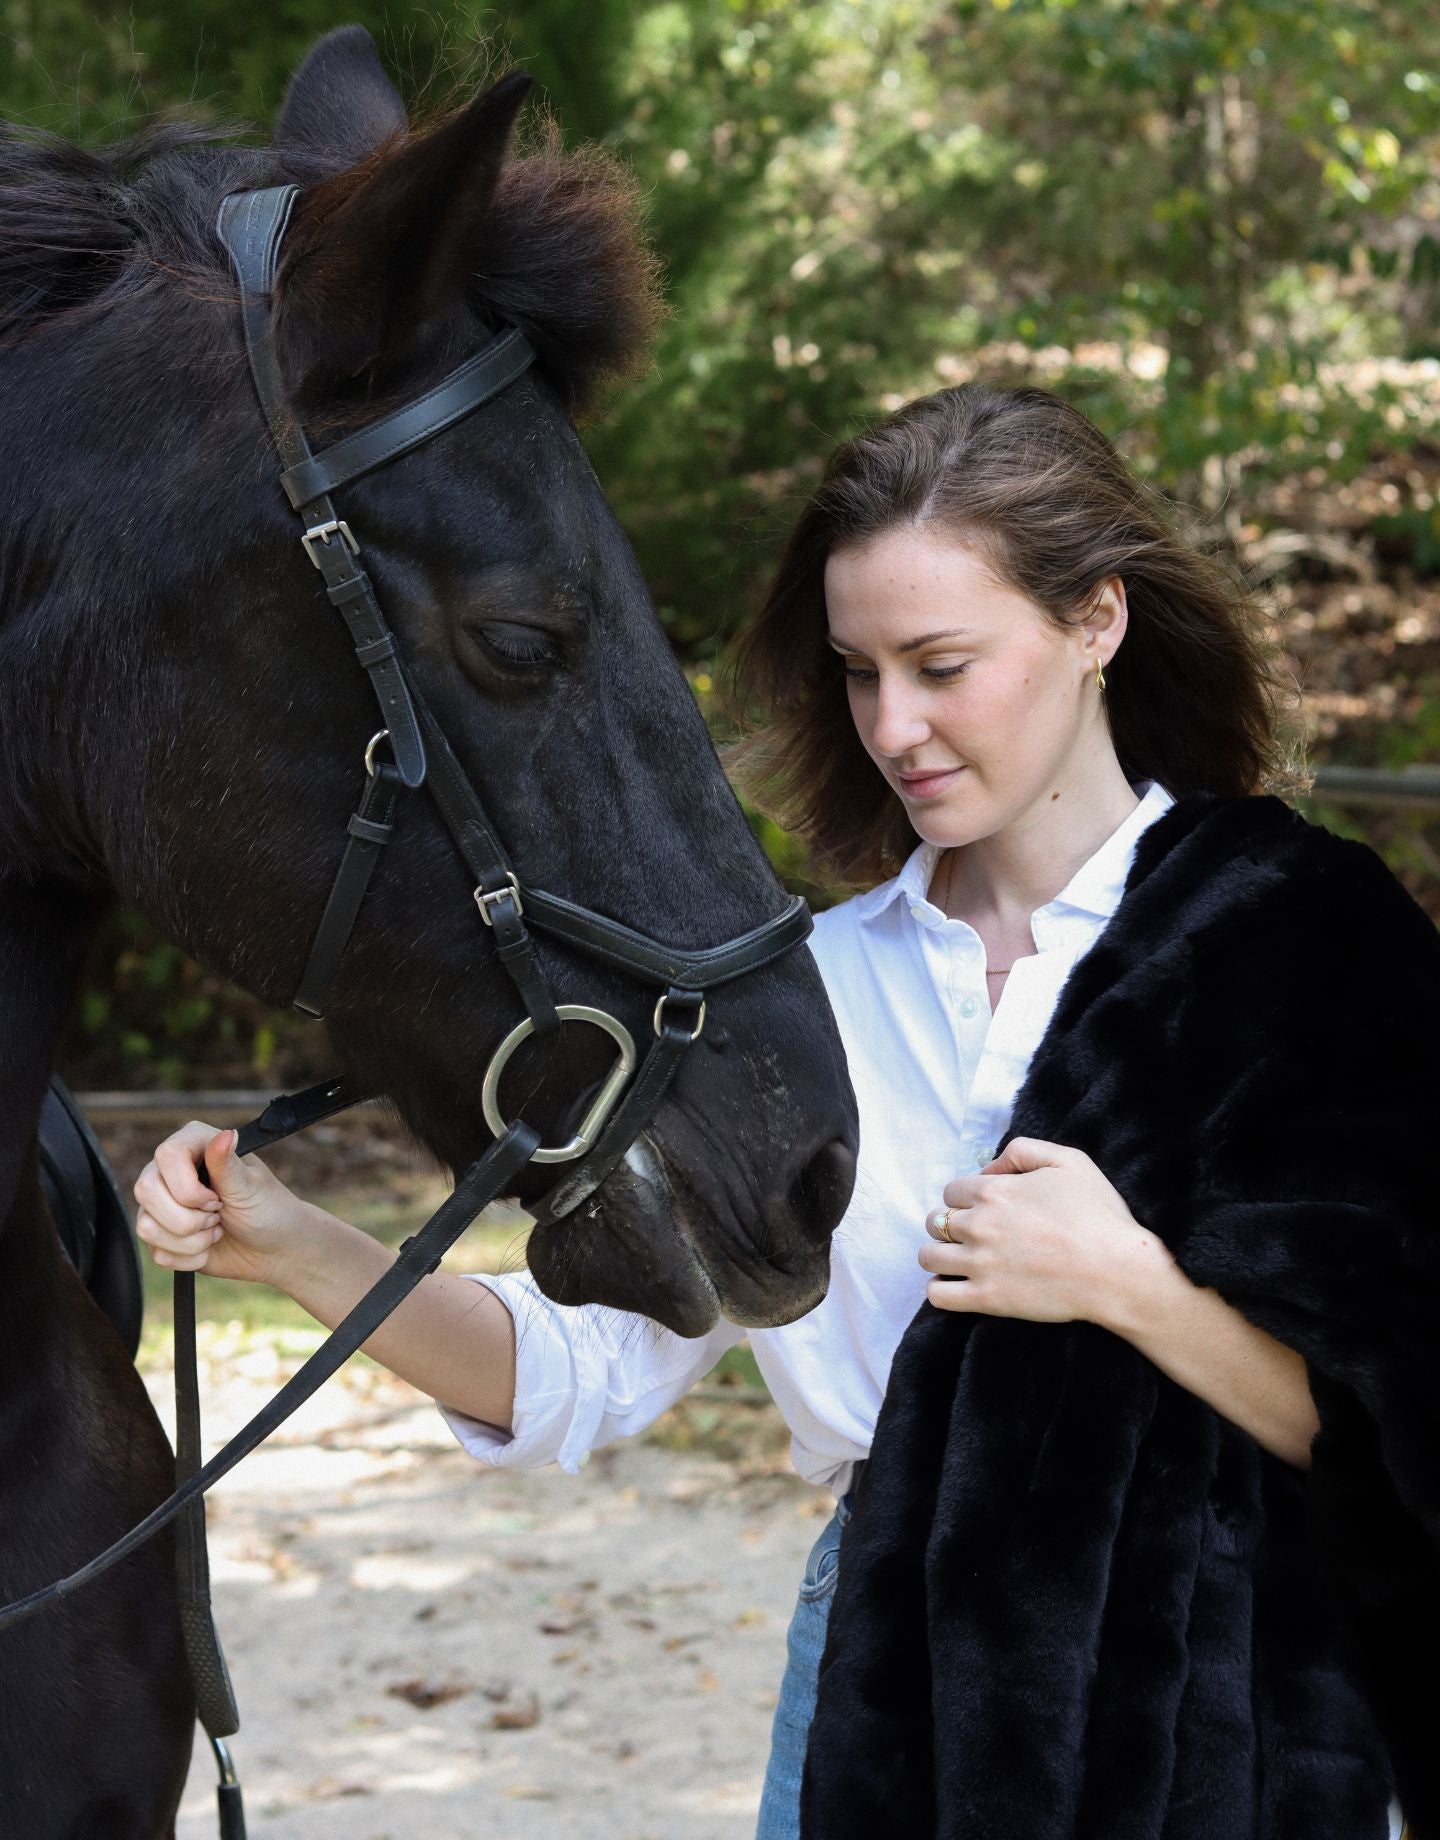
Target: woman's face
<point>973,704</point>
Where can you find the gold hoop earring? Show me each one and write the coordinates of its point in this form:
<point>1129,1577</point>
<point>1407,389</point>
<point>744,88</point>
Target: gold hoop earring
<point>1099,675</point>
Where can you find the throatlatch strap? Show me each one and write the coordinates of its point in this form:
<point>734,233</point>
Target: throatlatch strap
<point>371,828</point>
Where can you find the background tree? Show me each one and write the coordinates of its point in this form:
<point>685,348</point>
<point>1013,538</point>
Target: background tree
<point>1216,227</point>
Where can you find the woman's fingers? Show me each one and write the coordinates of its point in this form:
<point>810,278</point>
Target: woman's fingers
<point>962,1192</point>
<point>947,1258</point>
<point>175,1252</point>
<point>155,1197</point>
<point>172,1261</point>
<point>169,1188</point>
<point>178,1160</point>
<point>946,1223</point>
<point>189,1243</point>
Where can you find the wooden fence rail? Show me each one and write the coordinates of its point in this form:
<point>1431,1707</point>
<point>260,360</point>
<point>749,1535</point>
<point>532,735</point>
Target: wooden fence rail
<point>1416,787</point>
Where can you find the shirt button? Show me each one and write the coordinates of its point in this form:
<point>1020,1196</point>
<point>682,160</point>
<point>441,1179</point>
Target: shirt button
<point>969,1007</point>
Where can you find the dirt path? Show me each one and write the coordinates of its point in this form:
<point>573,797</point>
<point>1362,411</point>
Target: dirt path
<point>425,1648</point>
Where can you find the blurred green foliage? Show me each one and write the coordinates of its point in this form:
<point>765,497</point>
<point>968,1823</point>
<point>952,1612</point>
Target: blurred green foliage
<point>1215,227</point>
<point>1193,213</point>
<point>150,1016</point>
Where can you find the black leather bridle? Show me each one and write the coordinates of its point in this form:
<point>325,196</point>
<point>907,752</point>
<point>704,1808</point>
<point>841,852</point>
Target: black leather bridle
<point>251,226</point>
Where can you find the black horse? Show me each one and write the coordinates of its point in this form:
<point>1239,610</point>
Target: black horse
<point>182,724</point>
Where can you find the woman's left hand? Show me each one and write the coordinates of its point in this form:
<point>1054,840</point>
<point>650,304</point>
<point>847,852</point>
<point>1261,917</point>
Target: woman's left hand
<point>1038,1234</point>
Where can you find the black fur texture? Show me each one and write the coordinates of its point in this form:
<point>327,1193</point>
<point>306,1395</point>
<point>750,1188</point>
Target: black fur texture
<point>1074,1603</point>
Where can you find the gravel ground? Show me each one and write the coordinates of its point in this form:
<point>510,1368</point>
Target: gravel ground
<point>424,1647</point>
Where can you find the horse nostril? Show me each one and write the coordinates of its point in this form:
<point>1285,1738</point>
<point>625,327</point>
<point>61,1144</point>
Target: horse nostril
<point>819,1194</point>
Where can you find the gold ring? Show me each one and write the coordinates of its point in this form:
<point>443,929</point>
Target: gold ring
<point>939,1223</point>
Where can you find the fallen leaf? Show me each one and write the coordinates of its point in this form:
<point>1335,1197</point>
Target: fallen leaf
<point>427,1693</point>
<point>519,1717</point>
<point>565,1625</point>
<point>331,1789</point>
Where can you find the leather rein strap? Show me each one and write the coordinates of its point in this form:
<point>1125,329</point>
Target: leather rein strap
<point>252,225</point>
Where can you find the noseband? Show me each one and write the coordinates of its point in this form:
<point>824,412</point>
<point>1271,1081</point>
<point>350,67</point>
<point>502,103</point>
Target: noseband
<point>252,225</point>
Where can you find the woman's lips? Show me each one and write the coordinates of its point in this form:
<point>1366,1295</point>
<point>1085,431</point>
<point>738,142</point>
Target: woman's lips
<point>926,785</point>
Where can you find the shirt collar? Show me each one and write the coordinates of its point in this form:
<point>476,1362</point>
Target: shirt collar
<point>1095,887</point>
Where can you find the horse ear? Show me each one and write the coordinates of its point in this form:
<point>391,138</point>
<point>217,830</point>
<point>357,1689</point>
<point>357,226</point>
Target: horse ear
<point>340,104</point>
<point>383,248</point>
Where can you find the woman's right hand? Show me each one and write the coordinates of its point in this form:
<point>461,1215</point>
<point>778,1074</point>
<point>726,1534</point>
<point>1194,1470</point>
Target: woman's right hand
<point>246,1224</point>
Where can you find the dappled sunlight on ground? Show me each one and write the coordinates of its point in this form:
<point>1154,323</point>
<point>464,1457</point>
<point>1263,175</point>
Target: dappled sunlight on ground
<point>423,1647</point>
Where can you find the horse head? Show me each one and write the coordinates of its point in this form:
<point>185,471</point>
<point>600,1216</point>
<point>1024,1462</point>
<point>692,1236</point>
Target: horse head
<point>183,721</point>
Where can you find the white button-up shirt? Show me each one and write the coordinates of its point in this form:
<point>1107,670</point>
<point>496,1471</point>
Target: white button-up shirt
<point>935,1076</point>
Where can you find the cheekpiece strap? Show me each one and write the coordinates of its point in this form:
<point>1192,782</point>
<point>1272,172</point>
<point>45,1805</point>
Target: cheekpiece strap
<point>252,225</point>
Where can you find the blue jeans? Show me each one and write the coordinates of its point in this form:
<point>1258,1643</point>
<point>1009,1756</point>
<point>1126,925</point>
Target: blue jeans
<point>780,1798</point>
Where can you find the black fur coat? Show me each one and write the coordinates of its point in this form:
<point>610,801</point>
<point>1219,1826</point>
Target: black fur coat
<point>1074,1603</point>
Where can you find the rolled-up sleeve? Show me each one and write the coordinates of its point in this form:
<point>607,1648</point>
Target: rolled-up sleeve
<point>584,1376</point>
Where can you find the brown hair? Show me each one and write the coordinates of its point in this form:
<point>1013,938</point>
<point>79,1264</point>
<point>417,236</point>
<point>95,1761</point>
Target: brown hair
<point>1193,696</point>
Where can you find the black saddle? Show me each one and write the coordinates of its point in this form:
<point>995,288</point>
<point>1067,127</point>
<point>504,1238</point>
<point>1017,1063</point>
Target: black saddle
<point>89,1215</point>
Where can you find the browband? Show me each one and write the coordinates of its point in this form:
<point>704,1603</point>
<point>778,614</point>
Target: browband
<point>476,381</point>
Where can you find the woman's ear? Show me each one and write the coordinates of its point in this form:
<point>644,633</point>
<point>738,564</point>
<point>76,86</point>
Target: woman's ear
<point>1104,626</point>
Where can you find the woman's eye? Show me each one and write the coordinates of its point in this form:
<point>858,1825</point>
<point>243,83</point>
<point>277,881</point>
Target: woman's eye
<point>522,645</point>
<point>938,674</point>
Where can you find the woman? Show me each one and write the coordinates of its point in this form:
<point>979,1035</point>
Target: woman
<point>987,663</point>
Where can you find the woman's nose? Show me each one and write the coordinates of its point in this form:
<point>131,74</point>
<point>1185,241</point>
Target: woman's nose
<point>900,724</point>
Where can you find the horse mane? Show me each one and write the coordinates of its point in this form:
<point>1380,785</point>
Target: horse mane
<point>75,222</point>
<point>83,229</point>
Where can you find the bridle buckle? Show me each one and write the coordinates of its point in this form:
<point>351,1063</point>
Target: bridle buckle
<point>484,898</point>
<point>670,996</point>
<point>322,533</point>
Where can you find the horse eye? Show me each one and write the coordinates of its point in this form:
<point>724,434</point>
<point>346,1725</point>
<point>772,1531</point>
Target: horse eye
<point>517,645</point>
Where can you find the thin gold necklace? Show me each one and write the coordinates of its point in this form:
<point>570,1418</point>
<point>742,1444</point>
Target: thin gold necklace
<point>1002,971</point>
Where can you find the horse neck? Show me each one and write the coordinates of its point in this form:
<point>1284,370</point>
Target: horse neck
<point>43,716</point>
<point>45,927</point>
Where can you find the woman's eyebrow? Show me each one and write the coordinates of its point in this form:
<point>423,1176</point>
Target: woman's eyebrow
<point>910,645</point>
